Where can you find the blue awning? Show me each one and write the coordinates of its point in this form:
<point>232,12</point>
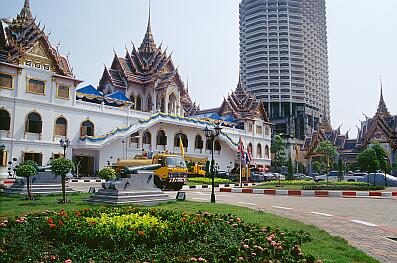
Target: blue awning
<point>118,95</point>
<point>89,90</point>
<point>229,118</point>
<point>211,115</point>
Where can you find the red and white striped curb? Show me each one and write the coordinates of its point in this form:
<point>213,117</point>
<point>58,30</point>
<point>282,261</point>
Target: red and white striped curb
<point>316,193</point>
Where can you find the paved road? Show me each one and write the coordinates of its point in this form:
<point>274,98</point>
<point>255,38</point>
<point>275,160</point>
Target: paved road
<point>365,223</point>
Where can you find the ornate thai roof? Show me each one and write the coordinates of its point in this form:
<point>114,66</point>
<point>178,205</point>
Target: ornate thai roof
<point>243,105</point>
<point>22,37</point>
<point>148,66</point>
<point>382,109</point>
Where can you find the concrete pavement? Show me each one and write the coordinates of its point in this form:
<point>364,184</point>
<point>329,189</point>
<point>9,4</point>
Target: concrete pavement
<point>365,223</point>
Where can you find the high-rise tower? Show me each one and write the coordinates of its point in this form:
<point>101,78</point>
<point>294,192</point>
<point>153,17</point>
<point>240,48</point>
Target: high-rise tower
<point>284,61</point>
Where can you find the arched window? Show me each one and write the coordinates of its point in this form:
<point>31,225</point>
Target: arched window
<point>185,141</point>
<point>147,138</point>
<point>259,151</point>
<point>132,99</point>
<point>198,142</point>
<point>161,138</point>
<point>217,145</point>
<point>172,104</point>
<point>250,147</point>
<point>134,138</point>
<point>138,103</point>
<point>208,144</point>
<point>267,151</point>
<point>87,128</point>
<point>61,126</point>
<point>149,103</point>
<point>5,120</point>
<point>34,123</point>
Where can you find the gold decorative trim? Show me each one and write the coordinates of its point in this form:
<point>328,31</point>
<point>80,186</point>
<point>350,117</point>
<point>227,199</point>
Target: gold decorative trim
<point>12,80</point>
<point>38,93</point>
<point>57,91</point>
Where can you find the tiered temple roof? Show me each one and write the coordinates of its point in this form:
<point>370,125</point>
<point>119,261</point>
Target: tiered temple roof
<point>21,36</point>
<point>379,128</point>
<point>148,66</point>
<point>238,106</point>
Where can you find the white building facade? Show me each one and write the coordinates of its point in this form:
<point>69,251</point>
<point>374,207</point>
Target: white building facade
<point>140,104</point>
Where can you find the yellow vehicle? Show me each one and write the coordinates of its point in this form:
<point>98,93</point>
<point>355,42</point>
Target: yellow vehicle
<point>198,169</point>
<point>171,175</point>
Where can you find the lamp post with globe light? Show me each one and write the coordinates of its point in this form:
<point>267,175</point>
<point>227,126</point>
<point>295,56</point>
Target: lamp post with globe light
<point>211,135</point>
<point>64,144</point>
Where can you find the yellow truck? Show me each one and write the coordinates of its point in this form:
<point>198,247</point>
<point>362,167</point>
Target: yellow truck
<point>171,175</point>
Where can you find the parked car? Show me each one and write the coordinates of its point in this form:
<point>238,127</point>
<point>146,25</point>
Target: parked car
<point>222,174</point>
<point>257,177</point>
<point>300,176</point>
<point>379,179</point>
<point>279,176</point>
<point>333,177</point>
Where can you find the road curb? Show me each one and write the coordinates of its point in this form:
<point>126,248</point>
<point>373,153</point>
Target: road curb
<point>317,193</point>
<point>186,187</point>
<point>86,181</point>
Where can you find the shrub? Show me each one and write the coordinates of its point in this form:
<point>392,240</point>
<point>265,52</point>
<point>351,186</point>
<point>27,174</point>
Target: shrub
<point>146,235</point>
<point>62,167</point>
<point>30,162</point>
<point>209,180</point>
<point>107,174</point>
<point>27,170</point>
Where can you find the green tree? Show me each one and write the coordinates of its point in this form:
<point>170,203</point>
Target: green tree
<point>62,167</point>
<point>27,170</point>
<point>316,167</point>
<point>32,163</point>
<point>107,174</point>
<point>278,149</point>
<point>329,151</point>
<point>340,170</point>
<point>290,169</point>
<point>367,160</point>
<point>382,156</point>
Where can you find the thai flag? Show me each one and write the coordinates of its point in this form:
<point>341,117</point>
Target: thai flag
<point>248,157</point>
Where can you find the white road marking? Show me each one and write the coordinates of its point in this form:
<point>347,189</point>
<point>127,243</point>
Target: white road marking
<point>202,199</point>
<point>362,222</point>
<point>282,207</point>
<point>244,203</point>
<point>321,214</point>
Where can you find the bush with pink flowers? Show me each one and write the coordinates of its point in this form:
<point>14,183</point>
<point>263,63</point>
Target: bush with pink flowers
<point>131,234</point>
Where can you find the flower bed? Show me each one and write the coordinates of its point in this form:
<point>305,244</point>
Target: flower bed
<point>208,180</point>
<point>145,235</point>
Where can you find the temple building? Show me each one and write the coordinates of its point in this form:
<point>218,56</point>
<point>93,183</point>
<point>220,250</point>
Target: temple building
<point>381,128</point>
<point>140,104</point>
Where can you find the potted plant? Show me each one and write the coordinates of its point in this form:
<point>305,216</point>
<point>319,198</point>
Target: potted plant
<point>107,174</point>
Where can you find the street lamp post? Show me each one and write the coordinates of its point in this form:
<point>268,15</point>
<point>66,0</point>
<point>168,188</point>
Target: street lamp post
<point>385,177</point>
<point>212,134</point>
<point>64,144</point>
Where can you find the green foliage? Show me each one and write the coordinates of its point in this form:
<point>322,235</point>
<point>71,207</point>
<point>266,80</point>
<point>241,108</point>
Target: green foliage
<point>278,149</point>
<point>368,161</point>
<point>30,162</point>
<point>207,168</point>
<point>107,174</point>
<point>113,234</point>
<point>382,156</point>
<point>329,151</point>
<point>62,166</point>
<point>209,180</point>
<point>26,170</point>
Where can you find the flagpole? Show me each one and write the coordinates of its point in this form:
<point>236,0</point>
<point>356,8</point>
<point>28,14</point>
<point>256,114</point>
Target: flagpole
<point>241,184</point>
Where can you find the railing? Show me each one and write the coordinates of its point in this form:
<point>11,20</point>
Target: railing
<point>114,110</point>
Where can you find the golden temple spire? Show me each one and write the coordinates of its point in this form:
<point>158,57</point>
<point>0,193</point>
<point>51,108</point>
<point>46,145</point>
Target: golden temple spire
<point>148,45</point>
<point>382,109</point>
<point>26,13</point>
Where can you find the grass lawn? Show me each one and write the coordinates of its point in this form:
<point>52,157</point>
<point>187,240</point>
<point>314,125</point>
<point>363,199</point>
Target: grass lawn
<point>323,246</point>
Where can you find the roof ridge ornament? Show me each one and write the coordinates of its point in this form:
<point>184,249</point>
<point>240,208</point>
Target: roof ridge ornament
<point>148,45</point>
<point>382,109</point>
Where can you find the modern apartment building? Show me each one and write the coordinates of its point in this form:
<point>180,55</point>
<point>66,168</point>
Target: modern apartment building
<point>284,61</point>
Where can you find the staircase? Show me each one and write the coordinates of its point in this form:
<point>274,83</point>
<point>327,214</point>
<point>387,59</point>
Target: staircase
<point>122,197</point>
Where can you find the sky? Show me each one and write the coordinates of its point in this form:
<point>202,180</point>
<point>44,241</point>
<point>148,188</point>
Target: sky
<point>203,37</point>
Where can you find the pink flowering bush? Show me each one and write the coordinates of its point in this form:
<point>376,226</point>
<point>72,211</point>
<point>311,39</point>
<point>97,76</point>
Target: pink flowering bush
<point>128,234</point>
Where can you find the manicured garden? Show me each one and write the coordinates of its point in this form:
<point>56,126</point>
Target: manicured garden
<point>207,180</point>
<point>311,185</point>
<point>172,232</point>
